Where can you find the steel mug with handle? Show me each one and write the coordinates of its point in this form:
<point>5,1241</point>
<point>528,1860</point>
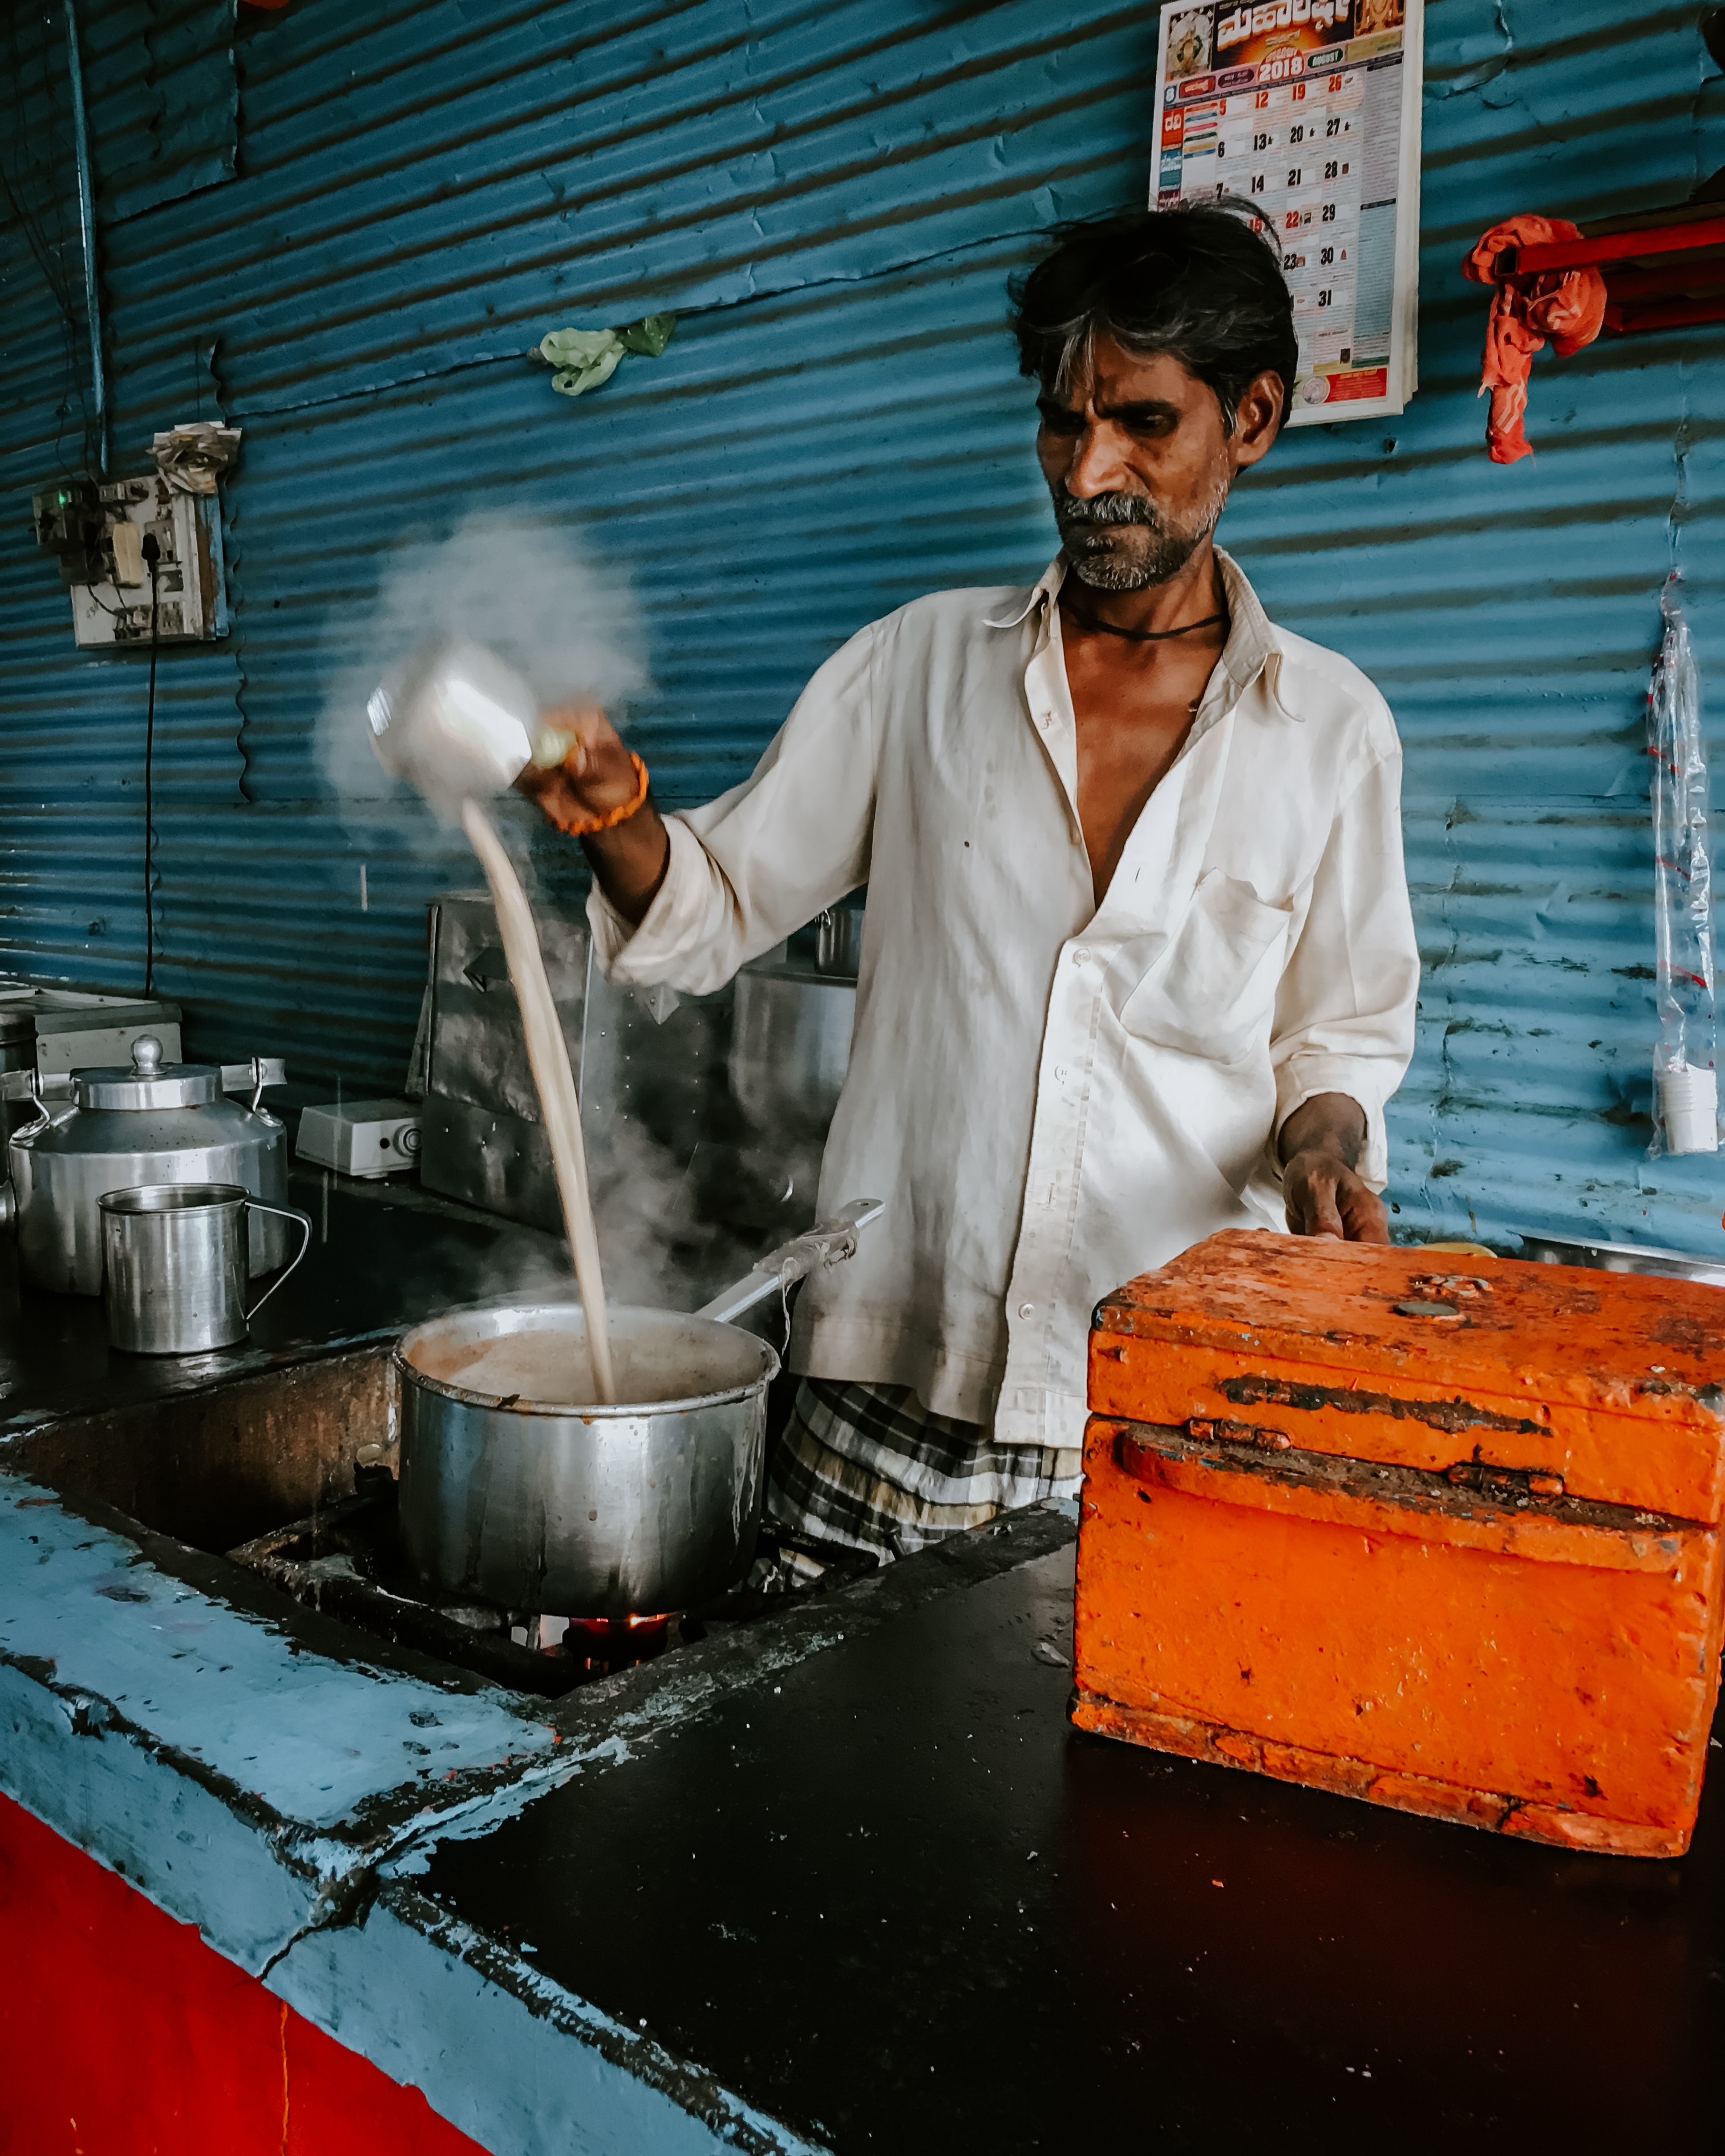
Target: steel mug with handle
<point>174,1275</point>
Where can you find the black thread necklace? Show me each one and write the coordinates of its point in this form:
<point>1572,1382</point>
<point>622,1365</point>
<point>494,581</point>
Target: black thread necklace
<point>1140,636</point>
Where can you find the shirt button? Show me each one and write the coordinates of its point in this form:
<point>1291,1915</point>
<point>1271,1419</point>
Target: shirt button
<point>1027,1310</point>
<point>1080,956</point>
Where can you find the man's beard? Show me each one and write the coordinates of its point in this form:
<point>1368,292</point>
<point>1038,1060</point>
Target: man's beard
<point>1123,542</point>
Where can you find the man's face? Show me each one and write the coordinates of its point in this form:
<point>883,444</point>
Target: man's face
<point>1138,464</point>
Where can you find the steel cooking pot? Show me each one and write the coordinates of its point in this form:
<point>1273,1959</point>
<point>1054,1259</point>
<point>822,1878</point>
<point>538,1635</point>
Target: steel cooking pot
<point>647,1505</point>
<point>644,1506</point>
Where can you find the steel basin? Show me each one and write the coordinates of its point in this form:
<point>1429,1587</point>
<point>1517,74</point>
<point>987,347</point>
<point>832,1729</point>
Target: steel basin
<point>1623,1258</point>
<point>579,1510</point>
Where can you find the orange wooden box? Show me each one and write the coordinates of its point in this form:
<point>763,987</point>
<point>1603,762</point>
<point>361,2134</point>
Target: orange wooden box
<point>1441,1531</point>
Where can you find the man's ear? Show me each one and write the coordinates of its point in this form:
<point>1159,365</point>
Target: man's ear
<point>1258,417</point>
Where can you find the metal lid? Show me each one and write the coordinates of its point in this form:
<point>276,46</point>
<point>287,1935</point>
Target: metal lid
<point>150,1083</point>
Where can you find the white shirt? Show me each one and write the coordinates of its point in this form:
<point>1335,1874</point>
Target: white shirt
<point>1052,1097</point>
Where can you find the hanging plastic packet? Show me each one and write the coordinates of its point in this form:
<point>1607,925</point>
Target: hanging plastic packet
<point>1686,1109</point>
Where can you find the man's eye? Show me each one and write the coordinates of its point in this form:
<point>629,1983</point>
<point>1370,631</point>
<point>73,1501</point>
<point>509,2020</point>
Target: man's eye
<point>1062,423</point>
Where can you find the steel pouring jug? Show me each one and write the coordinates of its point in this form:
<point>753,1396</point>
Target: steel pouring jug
<point>175,1270</point>
<point>459,724</point>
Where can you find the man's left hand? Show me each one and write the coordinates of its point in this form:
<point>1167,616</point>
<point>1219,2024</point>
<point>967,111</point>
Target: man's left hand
<point>1319,1143</point>
<point>1325,1197</point>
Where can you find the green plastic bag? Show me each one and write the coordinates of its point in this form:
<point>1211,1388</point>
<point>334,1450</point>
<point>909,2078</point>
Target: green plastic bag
<point>585,359</point>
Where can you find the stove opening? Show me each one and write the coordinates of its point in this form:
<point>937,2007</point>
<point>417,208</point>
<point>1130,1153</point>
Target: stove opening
<point>347,1561</point>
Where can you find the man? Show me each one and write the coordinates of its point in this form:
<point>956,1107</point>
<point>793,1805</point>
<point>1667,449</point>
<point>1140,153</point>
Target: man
<point>1137,963</point>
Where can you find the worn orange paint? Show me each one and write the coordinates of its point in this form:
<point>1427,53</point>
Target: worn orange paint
<point>1460,1557</point>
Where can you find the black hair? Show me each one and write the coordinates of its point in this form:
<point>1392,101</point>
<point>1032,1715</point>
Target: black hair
<point>1199,283</point>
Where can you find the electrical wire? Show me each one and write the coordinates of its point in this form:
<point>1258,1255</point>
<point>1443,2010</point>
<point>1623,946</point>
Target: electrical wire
<point>25,172</point>
<point>153,555</point>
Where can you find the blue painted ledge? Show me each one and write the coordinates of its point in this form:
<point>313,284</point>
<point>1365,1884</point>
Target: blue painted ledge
<point>267,1793</point>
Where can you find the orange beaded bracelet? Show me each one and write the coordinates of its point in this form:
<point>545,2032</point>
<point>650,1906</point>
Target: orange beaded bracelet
<point>584,826</point>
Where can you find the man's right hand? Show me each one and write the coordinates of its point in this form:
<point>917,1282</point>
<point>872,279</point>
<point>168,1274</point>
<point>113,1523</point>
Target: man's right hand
<point>596,777</point>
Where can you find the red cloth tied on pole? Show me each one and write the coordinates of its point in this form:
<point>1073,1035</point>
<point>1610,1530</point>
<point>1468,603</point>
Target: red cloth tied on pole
<point>1567,306</point>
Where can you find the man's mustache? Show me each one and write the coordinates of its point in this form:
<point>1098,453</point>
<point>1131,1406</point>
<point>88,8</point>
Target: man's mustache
<point>1105,509</point>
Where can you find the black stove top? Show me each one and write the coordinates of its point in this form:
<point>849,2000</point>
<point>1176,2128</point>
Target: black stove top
<point>347,1561</point>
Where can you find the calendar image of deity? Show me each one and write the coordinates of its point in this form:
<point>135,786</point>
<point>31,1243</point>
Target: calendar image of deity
<point>1308,112</point>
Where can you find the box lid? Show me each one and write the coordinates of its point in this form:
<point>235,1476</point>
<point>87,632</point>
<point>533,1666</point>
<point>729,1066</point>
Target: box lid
<point>1609,1381</point>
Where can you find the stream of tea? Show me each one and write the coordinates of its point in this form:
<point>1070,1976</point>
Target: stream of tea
<point>548,1059</point>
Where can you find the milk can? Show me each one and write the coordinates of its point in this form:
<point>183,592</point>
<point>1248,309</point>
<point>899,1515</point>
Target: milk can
<point>123,1129</point>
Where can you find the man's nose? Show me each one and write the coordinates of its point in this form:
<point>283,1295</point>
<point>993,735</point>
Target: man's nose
<point>1096,465</point>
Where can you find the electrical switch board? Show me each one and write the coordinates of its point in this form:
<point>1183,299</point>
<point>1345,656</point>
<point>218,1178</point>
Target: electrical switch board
<point>98,532</point>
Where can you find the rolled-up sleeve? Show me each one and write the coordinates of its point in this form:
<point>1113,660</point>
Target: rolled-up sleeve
<point>752,866</point>
<point>1344,1014</point>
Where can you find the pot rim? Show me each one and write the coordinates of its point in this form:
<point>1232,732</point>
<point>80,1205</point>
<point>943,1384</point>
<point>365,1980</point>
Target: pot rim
<point>153,1200</point>
<point>587,1411</point>
<point>584,1410</point>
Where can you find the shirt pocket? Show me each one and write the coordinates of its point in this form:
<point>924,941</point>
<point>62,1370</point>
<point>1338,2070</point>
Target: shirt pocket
<point>1212,992</point>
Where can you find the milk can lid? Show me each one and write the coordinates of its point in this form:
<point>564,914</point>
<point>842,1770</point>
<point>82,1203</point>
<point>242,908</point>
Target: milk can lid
<point>149,1082</point>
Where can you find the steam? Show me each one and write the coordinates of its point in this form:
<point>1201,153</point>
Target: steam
<point>662,1246</point>
<point>538,595</point>
<point>661,1249</point>
<point>672,1231</point>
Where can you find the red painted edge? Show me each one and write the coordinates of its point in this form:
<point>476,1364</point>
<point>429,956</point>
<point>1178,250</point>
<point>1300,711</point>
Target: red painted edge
<point>122,2034</point>
<point>1651,239</point>
<point>1664,315</point>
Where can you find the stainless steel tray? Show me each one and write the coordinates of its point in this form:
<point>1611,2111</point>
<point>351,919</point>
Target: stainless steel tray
<point>1623,1258</point>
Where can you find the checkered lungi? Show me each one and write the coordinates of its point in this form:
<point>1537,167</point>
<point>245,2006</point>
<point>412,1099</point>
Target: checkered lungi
<point>871,1467</point>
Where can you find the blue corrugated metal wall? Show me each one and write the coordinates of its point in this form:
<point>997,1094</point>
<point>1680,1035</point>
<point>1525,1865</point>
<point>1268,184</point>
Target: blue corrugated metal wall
<point>831,197</point>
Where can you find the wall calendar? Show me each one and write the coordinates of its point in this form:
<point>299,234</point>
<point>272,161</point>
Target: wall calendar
<point>1308,112</point>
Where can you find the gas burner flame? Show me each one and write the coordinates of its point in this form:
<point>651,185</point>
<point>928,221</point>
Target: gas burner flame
<point>613,1628</point>
<point>601,1642</point>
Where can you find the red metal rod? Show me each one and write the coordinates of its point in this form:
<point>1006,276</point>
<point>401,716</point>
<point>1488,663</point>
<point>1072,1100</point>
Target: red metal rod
<point>1705,276</point>
<point>1664,315</point>
<point>1620,246</point>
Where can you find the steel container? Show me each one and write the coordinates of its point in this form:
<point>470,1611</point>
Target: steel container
<point>837,941</point>
<point>17,1051</point>
<point>582,1511</point>
<point>175,1273</point>
<point>18,1072</point>
<point>124,1128</point>
<point>1625,1258</point>
<point>790,1047</point>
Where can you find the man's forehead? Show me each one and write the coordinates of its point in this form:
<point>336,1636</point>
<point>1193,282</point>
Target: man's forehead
<point>1108,377</point>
